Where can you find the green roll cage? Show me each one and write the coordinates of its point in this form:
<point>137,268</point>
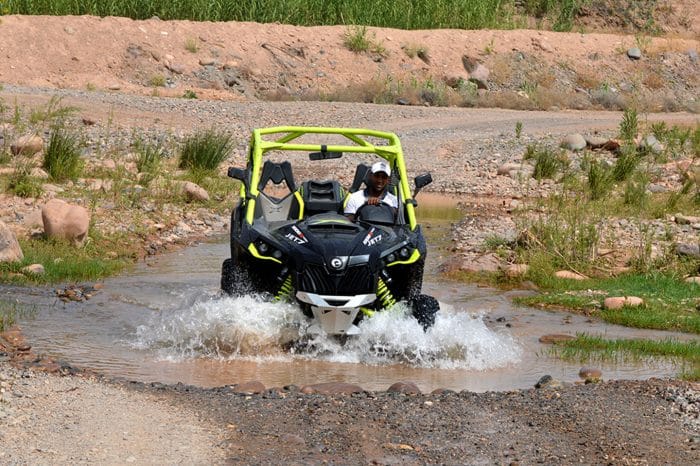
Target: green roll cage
<point>391,152</point>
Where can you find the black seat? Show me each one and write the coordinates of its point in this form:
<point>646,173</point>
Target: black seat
<point>277,172</point>
<point>322,196</point>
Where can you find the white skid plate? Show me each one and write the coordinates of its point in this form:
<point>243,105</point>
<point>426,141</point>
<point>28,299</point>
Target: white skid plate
<point>335,315</point>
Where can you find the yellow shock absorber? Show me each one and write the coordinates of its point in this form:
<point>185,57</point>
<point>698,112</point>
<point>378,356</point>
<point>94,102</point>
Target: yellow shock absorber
<point>384,294</point>
<point>285,292</point>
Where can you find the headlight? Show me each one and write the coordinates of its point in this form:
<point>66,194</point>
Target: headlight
<point>277,254</point>
<point>263,247</point>
<point>391,258</point>
<point>404,253</point>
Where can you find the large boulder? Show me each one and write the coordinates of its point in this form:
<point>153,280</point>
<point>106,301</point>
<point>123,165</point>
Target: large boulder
<point>66,221</point>
<point>10,251</point>
<point>27,145</point>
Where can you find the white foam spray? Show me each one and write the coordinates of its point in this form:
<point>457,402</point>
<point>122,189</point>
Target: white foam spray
<point>249,327</point>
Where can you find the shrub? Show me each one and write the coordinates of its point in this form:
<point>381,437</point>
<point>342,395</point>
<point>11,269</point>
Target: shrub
<point>547,162</point>
<point>148,162</point>
<point>626,163</point>
<point>62,156</point>
<point>22,184</point>
<point>205,150</point>
<point>356,39</point>
<point>191,45</point>
<point>629,126</point>
<point>599,180</point>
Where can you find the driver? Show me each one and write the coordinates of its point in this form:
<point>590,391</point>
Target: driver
<point>375,193</point>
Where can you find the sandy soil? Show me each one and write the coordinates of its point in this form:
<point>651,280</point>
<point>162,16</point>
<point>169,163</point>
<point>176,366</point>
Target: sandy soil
<point>52,420</point>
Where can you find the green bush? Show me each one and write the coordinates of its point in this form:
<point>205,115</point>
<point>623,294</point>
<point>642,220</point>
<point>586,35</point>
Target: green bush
<point>22,184</point>
<point>205,150</point>
<point>599,179</point>
<point>62,156</point>
<point>547,162</point>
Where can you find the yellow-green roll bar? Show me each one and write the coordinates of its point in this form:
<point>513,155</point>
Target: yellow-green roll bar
<point>391,152</point>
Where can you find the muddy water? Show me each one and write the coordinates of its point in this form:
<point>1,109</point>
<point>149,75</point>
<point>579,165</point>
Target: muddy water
<point>166,322</point>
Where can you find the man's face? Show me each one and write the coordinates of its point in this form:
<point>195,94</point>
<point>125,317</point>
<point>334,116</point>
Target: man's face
<point>379,180</point>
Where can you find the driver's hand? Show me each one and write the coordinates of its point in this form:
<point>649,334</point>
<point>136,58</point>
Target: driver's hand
<point>373,200</point>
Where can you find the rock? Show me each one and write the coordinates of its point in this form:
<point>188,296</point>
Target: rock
<point>516,270</point>
<point>249,388</point>
<point>34,269</point>
<point>194,192</point>
<point>332,388</point>
<point>554,338</point>
<point>588,373</point>
<point>651,143</point>
<point>618,302</point>
<point>207,61</point>
<point>67,221</point>
<point>404,387</point>
<point>88,121</point>
<point>10,250</point>
<point>634,53</point>
<point>175,68</point>
<point>39,173</point>
<point>693,55</point>
<point>506,168</point>
<point>695,280</point>
<point>595,142</point>
<point>478,73</point>
<point>574,142</point>
<point>691,250</point>
<point>27,145</point>
<point>686,219</point>
<point>485,263</point>
<point>546,381</point>
<point>568,275</point>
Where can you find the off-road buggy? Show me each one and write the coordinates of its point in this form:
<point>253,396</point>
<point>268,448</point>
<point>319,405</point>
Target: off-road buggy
<point>300,247</point>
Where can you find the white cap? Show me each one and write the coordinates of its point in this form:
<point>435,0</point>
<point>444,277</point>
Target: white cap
<point>381,166</point>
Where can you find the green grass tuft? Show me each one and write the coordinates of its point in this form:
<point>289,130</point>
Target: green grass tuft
<point>205,150</point>
<point>62,156</point>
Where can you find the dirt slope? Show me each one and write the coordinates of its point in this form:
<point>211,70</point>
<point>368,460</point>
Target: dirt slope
<point>247,60</point>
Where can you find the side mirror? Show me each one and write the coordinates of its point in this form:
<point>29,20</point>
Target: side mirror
<point>421,181</point>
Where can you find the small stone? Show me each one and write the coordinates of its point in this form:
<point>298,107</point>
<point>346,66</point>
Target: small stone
<point>33,269</point>
<point>590,373</point>
<point>618,302</point>
<point>568,275</point>
<point>516,270</point>
<point>574,142</point>
<point>546,381</point>
<point>555,338</point>
<point>634,53</point>
<point>695,280</point>
<point>249,388</point>
<point>404,387</point>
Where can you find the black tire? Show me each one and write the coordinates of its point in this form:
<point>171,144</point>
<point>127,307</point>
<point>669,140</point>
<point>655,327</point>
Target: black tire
<point>424,309</point>
<point>235,280</point>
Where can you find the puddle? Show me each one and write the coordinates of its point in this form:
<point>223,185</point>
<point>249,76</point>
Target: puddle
<point>166,322</point>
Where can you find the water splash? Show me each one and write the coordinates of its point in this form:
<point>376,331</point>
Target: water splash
<point>249,327</point>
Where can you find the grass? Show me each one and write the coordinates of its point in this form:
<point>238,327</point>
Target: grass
<point>586,347</point>
<point>548,163</point>
<point>22,184</point>
<point>157,80</point>
<point>10,311</point>
<point>403,14</point>
<point>64,262</point>
<point>205,150</point>
<point>669,303</point>
<point>357,39</point>
<point>62,156</point>
<point>192,45</point>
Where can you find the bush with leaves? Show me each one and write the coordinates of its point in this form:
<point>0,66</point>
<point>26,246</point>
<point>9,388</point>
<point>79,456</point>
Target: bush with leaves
<point>62,156</point>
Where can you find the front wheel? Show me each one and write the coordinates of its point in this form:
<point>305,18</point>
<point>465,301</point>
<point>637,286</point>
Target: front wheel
<point>235,280</point>
<point>424,309</point>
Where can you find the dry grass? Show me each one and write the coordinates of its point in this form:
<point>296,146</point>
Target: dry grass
<point>653,80</point>
<point>502,69</point>
<point>588,79</point>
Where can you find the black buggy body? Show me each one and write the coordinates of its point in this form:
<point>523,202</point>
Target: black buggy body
<point>300,247</point>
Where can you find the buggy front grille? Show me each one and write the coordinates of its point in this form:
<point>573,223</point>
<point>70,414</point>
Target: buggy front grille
<point>353,280</point>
